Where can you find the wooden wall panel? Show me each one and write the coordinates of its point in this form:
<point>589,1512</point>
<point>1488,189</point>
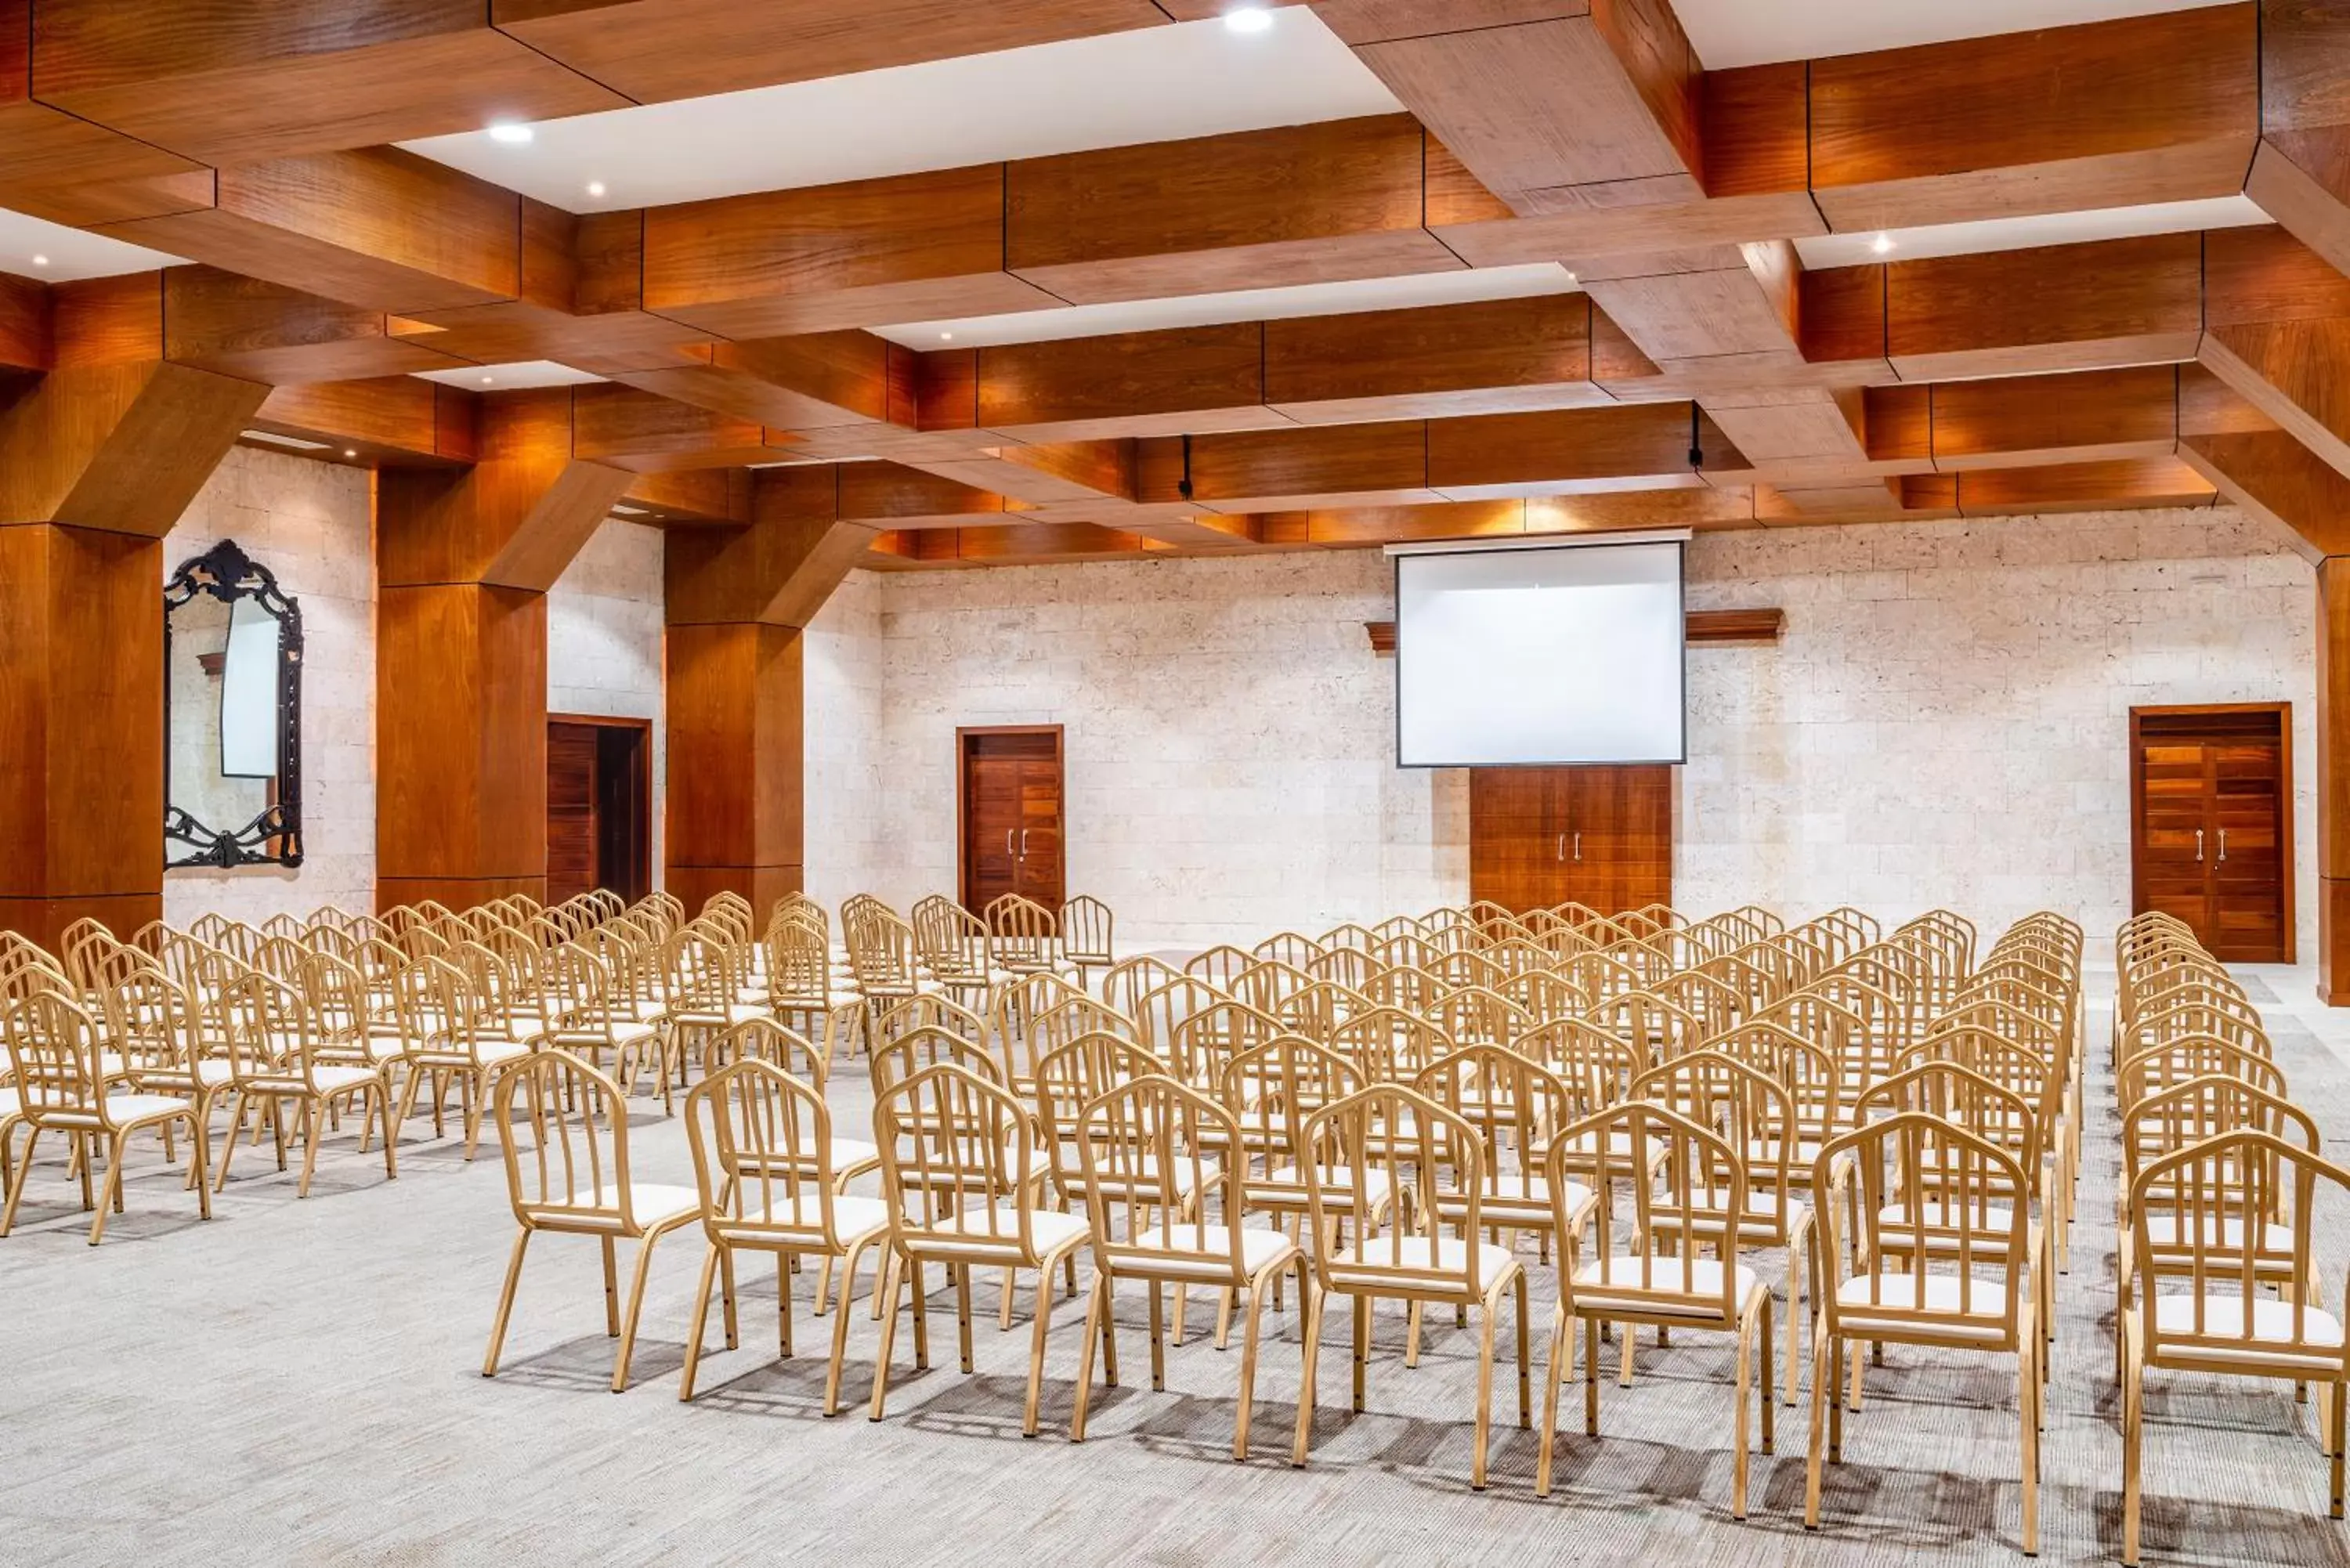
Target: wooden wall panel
<point>460,733</point>
<point>735,755</point>
<point>81,706</point>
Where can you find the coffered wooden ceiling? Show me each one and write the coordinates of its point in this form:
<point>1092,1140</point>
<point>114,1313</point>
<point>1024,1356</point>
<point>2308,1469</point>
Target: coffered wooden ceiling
<point>793,352</point>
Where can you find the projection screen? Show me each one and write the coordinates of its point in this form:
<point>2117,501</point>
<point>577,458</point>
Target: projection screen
<point>1539,655</point>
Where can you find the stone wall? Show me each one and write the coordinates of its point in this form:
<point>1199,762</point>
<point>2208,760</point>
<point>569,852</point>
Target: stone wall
<point>603,643</point>
<point>1945,721</point>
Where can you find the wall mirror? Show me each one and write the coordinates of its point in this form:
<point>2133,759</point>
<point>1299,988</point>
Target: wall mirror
<point>231,714</point>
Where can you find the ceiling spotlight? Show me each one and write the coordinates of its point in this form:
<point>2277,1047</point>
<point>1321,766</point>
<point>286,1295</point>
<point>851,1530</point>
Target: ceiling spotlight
<point>351,451</point>
<point>1570,278</point>
<point>595,187</point>
<point>514,132</point>
<point>40,261</point>
<point>489,381</point>
<point>946,337</point>
<point>1249,19</point>
<point>1881,243</point>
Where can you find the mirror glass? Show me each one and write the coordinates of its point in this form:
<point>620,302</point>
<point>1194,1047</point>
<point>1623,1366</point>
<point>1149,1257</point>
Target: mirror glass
<point>233,695</point>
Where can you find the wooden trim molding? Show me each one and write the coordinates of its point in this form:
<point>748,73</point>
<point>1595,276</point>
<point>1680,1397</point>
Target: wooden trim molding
<point>1704,626</point>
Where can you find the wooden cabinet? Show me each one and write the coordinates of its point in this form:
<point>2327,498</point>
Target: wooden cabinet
<point>2211,824</point>
<point>1012,800</point>
<point>1601,836</point>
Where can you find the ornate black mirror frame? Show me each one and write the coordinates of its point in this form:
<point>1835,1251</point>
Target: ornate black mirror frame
<point>274,838</point>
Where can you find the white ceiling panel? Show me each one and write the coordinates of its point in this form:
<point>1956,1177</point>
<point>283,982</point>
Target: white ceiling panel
<point>1154,84</point>
<point>35,247</point>
<point>2021,233</point>
<point>1459,287</point>
<point>1750,32</point>
<point>520,376</point>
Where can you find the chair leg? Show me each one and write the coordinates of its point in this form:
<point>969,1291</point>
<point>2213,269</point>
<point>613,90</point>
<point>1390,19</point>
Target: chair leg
<point>2335,1396</point>
<point>636,1309</point>
<point>1312,1303</point>
<point>1561,1328</point>
<point>894,1286</point>
<point>17,1187</point>
<point>1591,1375</point>
<point>314,1127</point>
<point>962,1314</point>
<point>1823,1389</point>
<point>1157,1338</point>
<point>198,1150</point>
<point>1096,1310</point>
<point>381,1094</point>
<point>1036,1347</point>
<point>1249,1335</point>
<point>2134,1445</point>
<point>111,1193</point>
<point>1526,1360</point>
<point>505,1303</point>
<point>840,1334</point>
<point>1770,1400</point>
<point>1484,1394</point>
<point>694,1324</point>
<point>1742,1382</point>
<point>612,1290</point>
<point>726,1298</point>
<point>1362,1347</point>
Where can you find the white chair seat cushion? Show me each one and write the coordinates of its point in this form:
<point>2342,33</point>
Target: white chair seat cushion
<point>853,1218</point>
<point>10,1104</point>
<point>137,1107</point>
<point>1986,1299</point>
<point>1368,1266</point>
<point>336,1080</point>
<point>851,1154</point>
<point>2163,1231</point>
<point>1515,1192</point>
<point>968,1233</point>
<point>1987,1223</point>
<point>2272,1325</point>
<point>1620,1275</point>
<point>651,1202</point>
<point>1174,1243</point>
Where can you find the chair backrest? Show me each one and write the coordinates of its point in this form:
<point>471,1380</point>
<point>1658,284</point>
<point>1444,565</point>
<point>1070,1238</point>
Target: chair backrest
<point>959,1153</point>
<point>1023,931</point>
<point>762,1143</point>
<point>799,965</point>
<point>1219,965</point>
<point>564,1128</point>
<point>1513,1102</point>
<point>899,1056</point>
<point>1381,1140</point>
<point>1598,1064</point>
<point>1069,1078</point>
<point>1938,1212</point>
<point>1389,1046</point>
<point>1293,948</point>
<point>2186,1114</point>
<point>1205,1043</point>
<point>1056,1026</point>
<point>1265,982</point>
<point>1086,926</point>
<point>2189,1057</point>
<point>1164,1007</point>
<point>1664,1166</point>
<point>765,1040</point>
<point>1320,1008</point>
<point>1472,1015</point>
<point>55,1049</point>
<point>1158,1193</point>
<point>2216,1225</point>
<point>1278,1085</point>
<point>1126,983</point>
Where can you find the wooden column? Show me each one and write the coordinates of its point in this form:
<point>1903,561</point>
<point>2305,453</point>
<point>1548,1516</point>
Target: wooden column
<point>99,456</point>
<point>737,599</point>
<point>2333,781</point>
<point>464,559</point>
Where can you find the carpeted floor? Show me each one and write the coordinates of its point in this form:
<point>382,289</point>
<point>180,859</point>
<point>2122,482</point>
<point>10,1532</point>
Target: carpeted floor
<point>298,1382</point>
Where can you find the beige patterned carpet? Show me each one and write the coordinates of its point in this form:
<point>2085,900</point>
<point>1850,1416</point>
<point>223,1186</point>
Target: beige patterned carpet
<point>298,1382</point>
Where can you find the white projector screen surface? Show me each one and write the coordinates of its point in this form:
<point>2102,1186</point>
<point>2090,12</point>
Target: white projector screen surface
<point>1539,655</point>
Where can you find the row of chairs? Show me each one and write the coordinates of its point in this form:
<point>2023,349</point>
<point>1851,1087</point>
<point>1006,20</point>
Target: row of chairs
<point>2217,1270</point>
<point>1380,1182</point>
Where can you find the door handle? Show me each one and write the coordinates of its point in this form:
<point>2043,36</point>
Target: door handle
<point>1560,852</point>
<point>1007,841</point>
<point>1023,844</point>
<point>1578,845</point>
<point>2223,844</point>
<point>2199,843</point>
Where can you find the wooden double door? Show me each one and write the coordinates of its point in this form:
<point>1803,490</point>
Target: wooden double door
<point>1601,836</point>
<point>2211,824</point>
<point>1012,799</point>
<point>598,806</point>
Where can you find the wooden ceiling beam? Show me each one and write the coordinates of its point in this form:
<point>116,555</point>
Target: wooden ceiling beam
<point>644,432</point>
<point>2160,108</point>
<point>383,420</point>
<point>2277,329</point>
<point>2260,466</point>
<point>2301,174</point>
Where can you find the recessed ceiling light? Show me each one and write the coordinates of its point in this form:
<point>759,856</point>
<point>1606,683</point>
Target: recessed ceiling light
<point>595,187</point>
<point>40,261</point>
<point>514,132</point>
<point>1881,243</point>
<point>351,451</point>
<point>1249,19</point>
<point>488,381</point>
<point>1570,278</point>
<point>274,439</point>
<point>946,337</point>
